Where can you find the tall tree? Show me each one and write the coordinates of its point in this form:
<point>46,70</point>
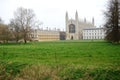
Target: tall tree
<point>5,34</point>
<point>16,30</point>
<point>24,20</point>
<point>1,21</point>
<point>112,24</point>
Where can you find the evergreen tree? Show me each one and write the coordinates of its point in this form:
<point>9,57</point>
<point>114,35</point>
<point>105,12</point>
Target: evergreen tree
<point>112,24</point>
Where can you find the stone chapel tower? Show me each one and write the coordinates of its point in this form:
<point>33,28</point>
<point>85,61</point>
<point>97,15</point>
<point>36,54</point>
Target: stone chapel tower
<point>77,26</point>
<point>74,27</point>
<point>66,21</point>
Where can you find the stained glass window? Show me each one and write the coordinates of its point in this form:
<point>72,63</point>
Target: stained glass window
<point>71,28</point>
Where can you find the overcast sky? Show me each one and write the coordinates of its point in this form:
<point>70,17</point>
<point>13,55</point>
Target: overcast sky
<point>52,12</point>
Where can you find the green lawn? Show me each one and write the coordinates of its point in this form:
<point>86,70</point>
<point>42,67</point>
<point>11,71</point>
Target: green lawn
<point>60,60</point>
<point>89,54</point>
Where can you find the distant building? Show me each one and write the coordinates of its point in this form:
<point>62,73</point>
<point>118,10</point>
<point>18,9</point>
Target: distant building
<point>47,35</point>
<point>75,30</point>
<point>93,33</point>
<point>75,27</point>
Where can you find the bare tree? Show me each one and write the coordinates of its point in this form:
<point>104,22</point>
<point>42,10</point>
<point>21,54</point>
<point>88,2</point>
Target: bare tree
<point>112,24</point>
<point>4,33</point>
<point>16,30</point>
<point>24,20</point>
<point>1,21</point>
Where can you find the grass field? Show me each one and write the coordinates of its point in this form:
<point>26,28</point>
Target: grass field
<point>83,54</point>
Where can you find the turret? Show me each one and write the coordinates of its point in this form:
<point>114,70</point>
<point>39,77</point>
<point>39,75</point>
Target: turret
<point>66,17</point>
<point>93,21</point>
<point>76,16</point>
<point>76,28</point>
<point>66,22</point>
<point>85,20</point>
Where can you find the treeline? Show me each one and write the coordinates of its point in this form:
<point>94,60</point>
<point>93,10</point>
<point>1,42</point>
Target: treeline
<point>20,26</point>
<point>5,33</point>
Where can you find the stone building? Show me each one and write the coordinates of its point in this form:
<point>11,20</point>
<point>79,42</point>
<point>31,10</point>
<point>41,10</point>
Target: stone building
<point>93,33</point>
<point>47,35</point>
<point>74,27</point>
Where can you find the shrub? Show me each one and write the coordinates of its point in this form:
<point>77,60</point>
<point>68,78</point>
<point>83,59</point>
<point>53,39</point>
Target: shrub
<point>38,73</point>
<point>67,73</point>
<point>8,71</point>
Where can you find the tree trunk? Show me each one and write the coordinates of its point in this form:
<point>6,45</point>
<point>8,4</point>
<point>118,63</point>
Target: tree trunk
<point>25,41</point>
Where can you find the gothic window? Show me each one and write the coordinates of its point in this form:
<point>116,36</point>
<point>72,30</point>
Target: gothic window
<point>71,28</point>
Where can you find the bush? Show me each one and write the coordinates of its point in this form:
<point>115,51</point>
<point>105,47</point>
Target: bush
<point>38,73</point>
<point>8,71</point>
<point>67,73</point>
